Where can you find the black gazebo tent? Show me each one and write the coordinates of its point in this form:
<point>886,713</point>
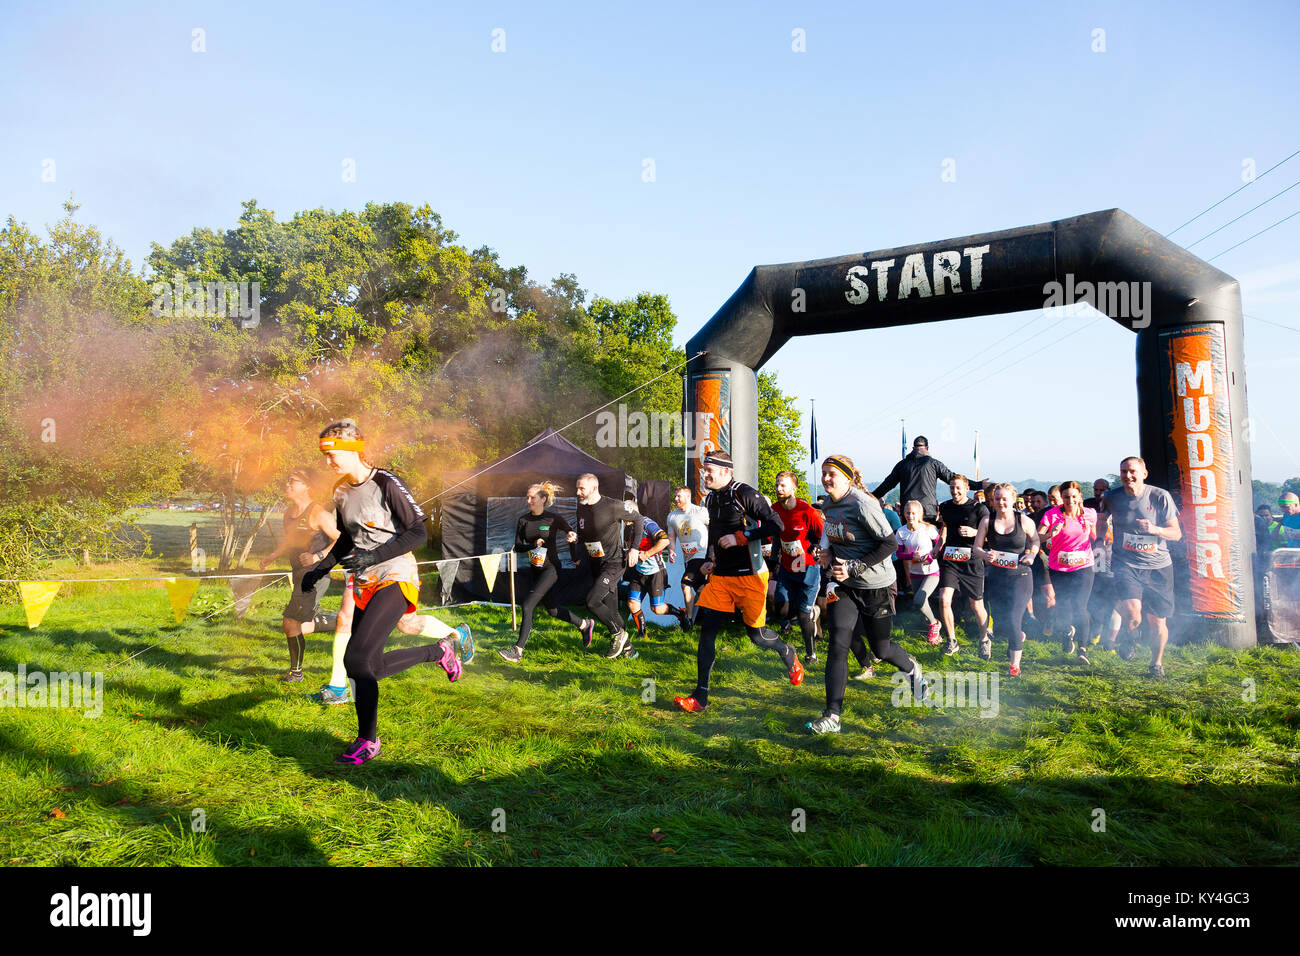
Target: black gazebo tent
<point>479,516</point>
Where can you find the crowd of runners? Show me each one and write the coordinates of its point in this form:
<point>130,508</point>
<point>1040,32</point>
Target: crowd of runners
<point>842,571</point>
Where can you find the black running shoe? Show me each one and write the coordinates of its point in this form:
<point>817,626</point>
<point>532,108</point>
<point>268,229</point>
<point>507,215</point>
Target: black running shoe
<point>588,628</point>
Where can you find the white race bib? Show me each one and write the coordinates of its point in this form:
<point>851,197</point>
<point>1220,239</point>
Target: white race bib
<point>690,550</point>
<point>537,557</point>
<point>956,554</point>
<point>1141,543</point>
<point>595,549</point>
<point>1005,559</point>
<point>1073,559</point>
<point>792,548</point>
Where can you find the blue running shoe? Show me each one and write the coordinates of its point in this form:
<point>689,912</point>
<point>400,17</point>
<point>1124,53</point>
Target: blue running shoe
<point>464,643</point>
<point>331,695</point>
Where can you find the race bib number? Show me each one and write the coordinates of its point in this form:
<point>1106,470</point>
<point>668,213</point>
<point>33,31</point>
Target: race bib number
<point>595,549</point>
<point>1005,559</point>
<point>1072,559</point>
<point>792,548</point>
<point>767,550</point>
<point>956,554</point>
<point>1141,543</point>
<point>537,557</point>
<point>690,550</point>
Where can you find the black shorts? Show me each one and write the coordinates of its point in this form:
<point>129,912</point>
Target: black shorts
<point>302,607</point>
<point>642,586</point>
<point>1042,573</point>
<point>1154,587</point>
<point>692,577</point>
<point>964,577</point>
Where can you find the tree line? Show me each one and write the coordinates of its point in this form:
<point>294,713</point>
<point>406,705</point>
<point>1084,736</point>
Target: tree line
<point>118,388</point>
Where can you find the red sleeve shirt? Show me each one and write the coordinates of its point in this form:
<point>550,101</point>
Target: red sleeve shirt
<point>802,532</point>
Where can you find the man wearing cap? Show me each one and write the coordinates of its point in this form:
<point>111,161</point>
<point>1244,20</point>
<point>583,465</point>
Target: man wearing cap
<point>309,532</point>
<point>916,476</point>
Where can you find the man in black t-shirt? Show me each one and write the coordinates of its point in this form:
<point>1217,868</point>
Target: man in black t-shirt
<point>960,571</point>
<point>600,529</point>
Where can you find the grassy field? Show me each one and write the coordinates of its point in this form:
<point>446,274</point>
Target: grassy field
<point>564,760</point>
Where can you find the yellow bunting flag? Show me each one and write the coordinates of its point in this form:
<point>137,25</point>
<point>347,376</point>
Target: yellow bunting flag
<point>37,597</point>
<point>490,563</point>
<point>181,592</point>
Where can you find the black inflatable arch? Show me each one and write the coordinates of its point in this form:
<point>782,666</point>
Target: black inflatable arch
<point>1191,383</point>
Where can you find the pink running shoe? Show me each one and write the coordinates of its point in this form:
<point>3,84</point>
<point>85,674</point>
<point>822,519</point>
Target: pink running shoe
<point>933,637</point>
<point>450,661</point>
<point>359,751</point>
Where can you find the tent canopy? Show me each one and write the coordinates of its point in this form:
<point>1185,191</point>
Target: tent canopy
<point>548,456</point>
<point>467,524</point>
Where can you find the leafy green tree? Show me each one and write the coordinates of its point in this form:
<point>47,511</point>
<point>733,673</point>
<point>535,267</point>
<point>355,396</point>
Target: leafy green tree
<point>92,404</point>
<point>780,445</point>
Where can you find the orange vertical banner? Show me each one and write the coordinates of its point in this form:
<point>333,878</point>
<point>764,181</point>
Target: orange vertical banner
<point>1201,436</point>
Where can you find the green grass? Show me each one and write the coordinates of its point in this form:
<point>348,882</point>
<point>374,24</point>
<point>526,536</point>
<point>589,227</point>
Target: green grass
<point>1186,771</point>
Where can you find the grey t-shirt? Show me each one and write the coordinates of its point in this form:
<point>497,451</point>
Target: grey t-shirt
<point>854,526</point>
<point>1132,547</point>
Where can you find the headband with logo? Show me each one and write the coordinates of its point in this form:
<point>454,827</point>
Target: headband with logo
<point>840,465</point>
<point>712,460</point>
<point>342,444</point>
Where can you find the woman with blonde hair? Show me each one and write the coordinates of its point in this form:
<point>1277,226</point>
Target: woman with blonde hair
<point>856,548</point>
<point>537,534</point>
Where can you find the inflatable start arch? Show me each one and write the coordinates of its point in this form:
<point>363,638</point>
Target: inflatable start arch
<point>1191,382</point>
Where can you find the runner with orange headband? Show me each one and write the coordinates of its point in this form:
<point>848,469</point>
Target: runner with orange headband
<point>379,525</point>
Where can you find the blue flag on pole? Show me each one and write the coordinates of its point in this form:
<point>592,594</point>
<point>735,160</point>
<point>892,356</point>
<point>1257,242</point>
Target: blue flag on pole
<point>812,441</point>
<point>903,453</point>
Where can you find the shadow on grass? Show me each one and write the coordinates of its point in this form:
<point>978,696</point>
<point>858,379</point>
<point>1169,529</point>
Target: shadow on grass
<point>601,801</point>
<point>120,799</point>
<point>609,798</point>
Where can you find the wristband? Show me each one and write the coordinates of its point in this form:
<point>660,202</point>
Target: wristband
<point>740,538</point>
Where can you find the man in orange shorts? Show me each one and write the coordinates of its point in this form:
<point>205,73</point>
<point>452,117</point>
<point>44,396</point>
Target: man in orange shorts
<point>739,520</point>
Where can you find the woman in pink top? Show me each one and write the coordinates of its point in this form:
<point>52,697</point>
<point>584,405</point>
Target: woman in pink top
<point>1070,531</point>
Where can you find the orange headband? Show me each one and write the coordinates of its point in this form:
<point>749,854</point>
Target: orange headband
<point>342,444</point>
<point>840,466</point>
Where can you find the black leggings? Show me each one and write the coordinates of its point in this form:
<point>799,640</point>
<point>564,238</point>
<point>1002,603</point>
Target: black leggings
<point>543,589</point>
<point>602,599</point>
<point>710,622</point>
<point>366,661</point>
<point>1073,588</point>
<point>870,608</point>
<point>806,625</point>
<point>1008,598</point>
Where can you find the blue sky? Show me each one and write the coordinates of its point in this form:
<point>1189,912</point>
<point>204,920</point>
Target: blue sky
<point>761,155</point>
